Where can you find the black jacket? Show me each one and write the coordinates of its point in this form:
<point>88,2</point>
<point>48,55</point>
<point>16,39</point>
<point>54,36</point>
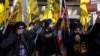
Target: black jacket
<point>10,44</point>
<point>71,43</point>
<point>9,31</point>
<point>94,40</point>
<point>47,41</point>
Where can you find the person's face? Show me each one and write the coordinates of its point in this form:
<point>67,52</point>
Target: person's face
<point>78,30</point>
<point>51,25</point>
<point>20,30</point>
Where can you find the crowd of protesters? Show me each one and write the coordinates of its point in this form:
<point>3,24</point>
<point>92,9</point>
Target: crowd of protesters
<point>40,39</point>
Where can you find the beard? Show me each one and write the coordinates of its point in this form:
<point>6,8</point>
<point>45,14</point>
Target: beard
<point>51,29</point>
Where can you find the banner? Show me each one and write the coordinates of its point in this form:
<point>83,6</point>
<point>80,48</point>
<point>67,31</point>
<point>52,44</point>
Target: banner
<point>85,16</point>
<point>33,11</point>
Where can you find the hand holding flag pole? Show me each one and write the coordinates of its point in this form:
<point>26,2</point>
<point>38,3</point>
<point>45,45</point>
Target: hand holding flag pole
<point>11,17</point>
<point>6,25</point>
<point>64,12</point>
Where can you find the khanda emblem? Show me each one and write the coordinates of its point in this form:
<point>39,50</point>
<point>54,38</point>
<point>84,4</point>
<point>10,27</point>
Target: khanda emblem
<point>80,48</point>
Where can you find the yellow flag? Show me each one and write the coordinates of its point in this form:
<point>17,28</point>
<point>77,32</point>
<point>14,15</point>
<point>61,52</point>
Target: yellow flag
<point>18,8</point>
<point>7,9</point>
<point>17,11</point>
<point>33,11</point>
<point>56,5</point>
<point>56,10</point>
<point>48,11</point>
<point>2,14</point>
<point>51,11</point>
<point>45,16</point>
<point>85,16</point>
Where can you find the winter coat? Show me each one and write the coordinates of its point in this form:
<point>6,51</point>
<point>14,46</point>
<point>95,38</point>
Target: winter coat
<point>10,44</point>
<point>47,41</point>
<point>74,48</point>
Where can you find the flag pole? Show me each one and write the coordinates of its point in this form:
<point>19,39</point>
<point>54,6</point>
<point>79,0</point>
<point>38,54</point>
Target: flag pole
<point>60,14</point>
<point>68,21</point>
<point>6,25</point>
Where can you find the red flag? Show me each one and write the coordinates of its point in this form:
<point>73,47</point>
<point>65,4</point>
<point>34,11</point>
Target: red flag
<point>59,39</point>
<point>65,12</point>
<point>64,9</point>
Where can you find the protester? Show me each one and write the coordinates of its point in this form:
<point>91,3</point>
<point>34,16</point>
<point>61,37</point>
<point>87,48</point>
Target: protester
<point>47,41</point>
<point>17,43</point>
<point>9,30</point>
<point>94,39</point>
<point>77,44</point>
<point>33,32</point>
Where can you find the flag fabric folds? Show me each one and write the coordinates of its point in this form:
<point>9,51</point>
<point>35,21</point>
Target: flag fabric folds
<point>64,14</point>
<point>52,10</point>
<point>19,9</point>
<point>59,39</point>
<point>85,16</point>
<point>7,9</point>
<point>48,13</point>
<point>33,11</point>
<point>2,13</point>
<point>16,12</point>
